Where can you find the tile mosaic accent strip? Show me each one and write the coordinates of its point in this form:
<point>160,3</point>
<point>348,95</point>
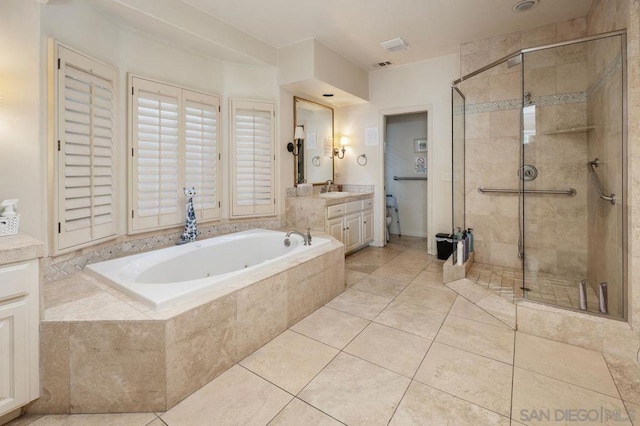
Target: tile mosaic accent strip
<point>605,76</point>
<point>511,104</point>
<point>68,267</point>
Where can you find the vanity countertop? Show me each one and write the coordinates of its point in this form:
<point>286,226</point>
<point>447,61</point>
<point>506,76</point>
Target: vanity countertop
<point>20,247</point>
<point>333,198</point>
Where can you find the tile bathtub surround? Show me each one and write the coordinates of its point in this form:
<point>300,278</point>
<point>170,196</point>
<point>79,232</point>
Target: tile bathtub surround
<point>55,268</point>
<point>150,361</point>
<point>336,368</point>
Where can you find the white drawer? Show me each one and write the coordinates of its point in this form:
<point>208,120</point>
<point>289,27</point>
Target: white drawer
<point>14,281</point>
<point>335,211</point>
<point>367,204</point>
<point>354,206</point>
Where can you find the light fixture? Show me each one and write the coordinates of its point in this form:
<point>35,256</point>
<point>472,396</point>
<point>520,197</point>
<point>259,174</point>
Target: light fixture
<point>336,152</point>
<point>395,44</point>
<point>524,5</point>
<point>298,136</point>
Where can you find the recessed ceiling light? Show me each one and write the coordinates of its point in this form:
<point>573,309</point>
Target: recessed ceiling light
<point>524,5</point>
<point>328,95</point>
<point>395,44</point>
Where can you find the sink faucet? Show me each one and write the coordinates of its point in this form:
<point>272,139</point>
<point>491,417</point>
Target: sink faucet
<point>307,238</point>
<point>327,186</point>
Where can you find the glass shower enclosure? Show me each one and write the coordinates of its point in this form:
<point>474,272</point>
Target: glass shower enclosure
<point>539,172</point>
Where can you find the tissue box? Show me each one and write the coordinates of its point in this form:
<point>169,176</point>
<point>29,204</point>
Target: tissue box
<point>9,225</point>
<point>304,189</point>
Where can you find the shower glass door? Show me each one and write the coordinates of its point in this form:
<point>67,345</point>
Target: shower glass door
<point>572,162</point>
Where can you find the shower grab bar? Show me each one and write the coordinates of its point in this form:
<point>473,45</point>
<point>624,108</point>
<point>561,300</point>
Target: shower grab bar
<point>408,178</point>
<point>570,192</point>
<point>592,168</point>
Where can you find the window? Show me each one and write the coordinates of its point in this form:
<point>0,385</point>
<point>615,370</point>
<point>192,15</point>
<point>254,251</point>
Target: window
<point>85,139</point>
<point>252,158</point>
<point>175,144</point>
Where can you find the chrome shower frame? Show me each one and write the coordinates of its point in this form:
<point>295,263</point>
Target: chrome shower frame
<point>517,58</point>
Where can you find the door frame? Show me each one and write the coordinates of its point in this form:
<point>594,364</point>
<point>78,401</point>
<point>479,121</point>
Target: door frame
<point>382,115</point>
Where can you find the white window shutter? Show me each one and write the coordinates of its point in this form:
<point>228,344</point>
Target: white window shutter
<point>156,200</point>
<point>253,136</point>
<point>202,152</point>
<point>85,166</point>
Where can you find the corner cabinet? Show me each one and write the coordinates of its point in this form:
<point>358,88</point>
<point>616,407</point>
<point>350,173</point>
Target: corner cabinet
<point>351,223</point>
<point>19,334</point>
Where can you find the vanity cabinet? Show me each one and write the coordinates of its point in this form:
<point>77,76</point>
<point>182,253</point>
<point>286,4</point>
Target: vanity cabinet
<point>19,324</point>
<point>351,223</point>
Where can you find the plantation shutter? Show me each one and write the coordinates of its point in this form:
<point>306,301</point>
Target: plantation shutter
<point>252,158</point>
<point>202,152</point>
<point>156,157</point>
<point>85,165</point>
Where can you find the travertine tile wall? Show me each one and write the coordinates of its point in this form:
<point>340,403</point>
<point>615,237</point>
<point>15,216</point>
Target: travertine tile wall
<point>605,142</point>
<point>609,15</point>
<point>557,82</point>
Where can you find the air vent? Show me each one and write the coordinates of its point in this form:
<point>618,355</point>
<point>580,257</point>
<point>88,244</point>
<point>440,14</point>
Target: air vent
<point>383,64</point>
<point>395,44</point>
<point>524,5</point>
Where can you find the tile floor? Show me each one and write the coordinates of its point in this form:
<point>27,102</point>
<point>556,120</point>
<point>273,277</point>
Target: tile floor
<point>400,348</point>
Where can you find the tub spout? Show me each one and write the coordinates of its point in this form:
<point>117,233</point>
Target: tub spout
<point>307,238</point>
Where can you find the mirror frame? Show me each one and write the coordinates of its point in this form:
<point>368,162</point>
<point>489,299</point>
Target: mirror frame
<point>296,99</point>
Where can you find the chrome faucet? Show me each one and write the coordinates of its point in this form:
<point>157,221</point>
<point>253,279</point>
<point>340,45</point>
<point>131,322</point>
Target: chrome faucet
<point>307,238</point>
<point>327,186</point>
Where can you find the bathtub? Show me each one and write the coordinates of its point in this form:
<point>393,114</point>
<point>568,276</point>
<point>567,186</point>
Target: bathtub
<point>211,267</point>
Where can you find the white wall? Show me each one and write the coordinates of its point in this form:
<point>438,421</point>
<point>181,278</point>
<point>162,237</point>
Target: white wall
<point>411,196</point>
<point>21,149</point>
<point>397,90</point>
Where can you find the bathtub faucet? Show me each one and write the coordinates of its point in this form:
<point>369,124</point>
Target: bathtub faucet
<point>307,238</point>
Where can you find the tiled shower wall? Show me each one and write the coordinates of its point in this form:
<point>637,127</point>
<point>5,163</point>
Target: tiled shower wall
<point>557,82</point>
<point>605,114</point>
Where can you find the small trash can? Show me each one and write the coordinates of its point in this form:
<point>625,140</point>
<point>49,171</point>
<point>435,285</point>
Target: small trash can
<point>445,245</point>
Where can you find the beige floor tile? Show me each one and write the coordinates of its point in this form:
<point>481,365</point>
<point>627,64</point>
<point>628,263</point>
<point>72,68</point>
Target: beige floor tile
<point>478,338</point>
<point>633,412</point>
<point>568,363</point>
<point>128,419</point>
<point>290,360</point>
<point>413,319</point>
<point>352,277</point>
<point>431,279</point>
<point>237,397</point>
<point>424,405</point>
<point>464,309</point>
<point>381,286</point>
<point>356,392</point>
<point>22,420</point>
<point>626,375</point>
<point>498,307</point>
<point>404,273</point>
<point>360,303</point>
<point>474,378</point>
<point>469,290</point>
<point>535,395</point>
<point>428,297</point>
<point>390,348</point>
<point>335,328</point>
<point>300,413</point>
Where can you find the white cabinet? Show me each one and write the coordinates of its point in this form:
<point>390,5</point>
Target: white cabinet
<point>19,343</point>
<point>351,223</point>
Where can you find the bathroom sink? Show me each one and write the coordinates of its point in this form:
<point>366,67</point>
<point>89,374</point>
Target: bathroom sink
<point>336,194</point>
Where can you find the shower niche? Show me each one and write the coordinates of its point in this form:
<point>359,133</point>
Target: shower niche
<point>539,139</point>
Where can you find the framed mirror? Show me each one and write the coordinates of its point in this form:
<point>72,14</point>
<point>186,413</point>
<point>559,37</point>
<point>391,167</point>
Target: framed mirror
<point>313,142</point>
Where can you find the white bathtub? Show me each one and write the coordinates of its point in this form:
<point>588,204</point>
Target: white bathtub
<point>217,265</point>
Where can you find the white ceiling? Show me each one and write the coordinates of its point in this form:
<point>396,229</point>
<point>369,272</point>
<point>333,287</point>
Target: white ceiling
<point>355,28</point>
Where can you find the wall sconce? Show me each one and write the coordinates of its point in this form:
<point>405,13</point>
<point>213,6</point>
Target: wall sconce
<point>343,142</point>
<point>298,136</point>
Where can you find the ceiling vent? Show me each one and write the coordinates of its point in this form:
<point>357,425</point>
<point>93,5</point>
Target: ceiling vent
<point>383,64</point>
<point>524,5</point>
<point>395,44</point>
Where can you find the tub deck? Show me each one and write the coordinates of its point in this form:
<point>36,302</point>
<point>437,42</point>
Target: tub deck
<point>104,352</point>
